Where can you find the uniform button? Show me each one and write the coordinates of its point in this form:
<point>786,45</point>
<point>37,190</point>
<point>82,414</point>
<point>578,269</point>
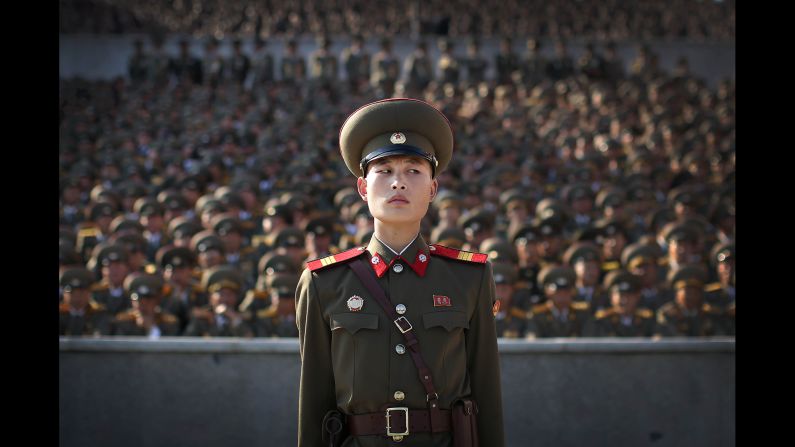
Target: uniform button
<point>399,395</point>
<point>401,309</point>
<point>397,268</point>
<point>400,349</point>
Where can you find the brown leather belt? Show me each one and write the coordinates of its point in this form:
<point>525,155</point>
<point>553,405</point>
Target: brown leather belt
<point>376,423</point>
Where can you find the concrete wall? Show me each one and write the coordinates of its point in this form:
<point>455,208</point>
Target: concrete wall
<point>105,56</point>
<point>211,392</point>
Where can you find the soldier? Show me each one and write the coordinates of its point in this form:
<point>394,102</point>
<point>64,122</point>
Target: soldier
<point>385,70</point>
<point>688,315</point>
<point>624,318</point>
<point>478,225</point>
<point>323,62</point>
<point>182,229</point>
<point>449,208</point>
<point>396,148</point>
<point>209,249</point>
<point>220,317</point>
<point>509,317</point>
<point>418,69</point>
<point>151,216</point>
<point>146,318</point>
<point>448,65</point>
<point>526,240</point>
<point>278,319</point>
<point>721,292</point>
<point>581,201</point>
<point>612,238</point>
<point>78,314</point>
<point>230,230</point>
<point>643,261</point>
<point>319,236</point>
<point>683,244</point>
<point>559,316</point>
<point>506,62</point>
<point>534,64</point>
<point>293,68</point>
<point>262,64</point>
<point>213,64</point>
<point>291,242</point>
<point>356,61</point>
<point>586,260</point>
<point>181,292</point>
<point>239,64</point>
<point>474,63</point>
<point>186,67</point>
<point>109,291</point>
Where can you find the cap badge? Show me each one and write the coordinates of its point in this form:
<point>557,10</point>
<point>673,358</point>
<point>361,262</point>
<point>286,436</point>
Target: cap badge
<point>397,138</point>
<point>355,303</point>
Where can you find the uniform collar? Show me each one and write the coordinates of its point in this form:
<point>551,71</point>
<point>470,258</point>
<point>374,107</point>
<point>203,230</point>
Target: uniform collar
<point>417,256</point>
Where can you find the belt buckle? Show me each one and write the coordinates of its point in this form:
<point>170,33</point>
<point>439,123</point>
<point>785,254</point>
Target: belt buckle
<point>397,436</point>
<point>403,331</point>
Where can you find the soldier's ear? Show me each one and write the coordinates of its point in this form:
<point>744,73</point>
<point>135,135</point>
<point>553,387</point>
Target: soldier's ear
<point>434,188</point>
<point>361,186</point>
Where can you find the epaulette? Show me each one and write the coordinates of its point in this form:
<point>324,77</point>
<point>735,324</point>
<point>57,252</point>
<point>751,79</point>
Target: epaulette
<point>604,313</point>
<point>518,313</point>
<point>96,307</point>
<point>318,264</point>
<point>580,305</point>
<point>168,319</point>
<point>712,287</point>
<point>99,287</point>
<point>459,255</point>
<point>612,265</point>
<point>126,315</point>
<point>266,313</point>
<point>644,313</point>
<point>88,232</point>
<point>259,239</point>
<point>539,309</point>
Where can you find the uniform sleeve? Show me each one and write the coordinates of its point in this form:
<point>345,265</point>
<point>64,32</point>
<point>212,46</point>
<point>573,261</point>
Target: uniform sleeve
<point>316,395</point>
<point>483,363</point>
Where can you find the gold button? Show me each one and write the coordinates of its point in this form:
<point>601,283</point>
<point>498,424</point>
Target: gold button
<point>399,395</point>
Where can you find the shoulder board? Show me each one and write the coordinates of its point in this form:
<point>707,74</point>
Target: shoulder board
<point>318,264</point>
<point>663,262</point>
<point>580,305</point>
<point>712,287</point>
<point>168,318</point>
<point>603,313</point>
<point>612,265</point>
<point>259,239</point>
<point>644,313</point>
<point>266,313</point>
<point>87,232</point>
<point>710,309</point>
<point>540,309</point>
<point>460,255</point>
<point>126,315</point>
<point>517,312</point>
<point>95,306</point>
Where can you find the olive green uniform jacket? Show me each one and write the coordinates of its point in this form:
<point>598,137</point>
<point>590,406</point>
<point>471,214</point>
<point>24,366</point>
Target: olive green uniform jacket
<point>349,358</point>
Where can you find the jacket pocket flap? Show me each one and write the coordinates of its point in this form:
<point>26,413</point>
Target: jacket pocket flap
<point>353,322</point>
<point>447,319</point>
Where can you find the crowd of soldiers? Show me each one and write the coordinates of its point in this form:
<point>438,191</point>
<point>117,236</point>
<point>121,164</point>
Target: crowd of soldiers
<point>195,190</point>
<point>595,19</point>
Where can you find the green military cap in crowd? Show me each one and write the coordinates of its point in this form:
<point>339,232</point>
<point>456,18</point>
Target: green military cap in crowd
<point>361,209</point>
<point>209,203</point>
<point>76,278</point>
<point>446,199</point>
<point>143,286</point>
<point>175,257</point>
<point>679,232</point>
<point>272,263</point>
<point>226,223</point>
<point>192,183</point>
<point>503,273</point>
<point>638,253</point>
<point>610,196</point>
<point>622,281</point>
<point>578,191</point>
<point>452,237</point>
<point>319,227</point>
<point>608,227</point>
<point>230,198</point>
<point>278,210</point>
<point>582,251</point>
<point>206,240</point>
<point>512,195</point>
<point>102,209</point>
<point>290,238</point>
<point>397,126</point>
<point>345,197</point>
<point>722,252</point>
<point>551,225</point>
<point>684,195</point>
<point>147,206</point>
<point>181,227</point>
<point>133,242</point>
<point>123,224</point>
<point>173,201</point>
<point>100,193</point>
<point>499,250</point>
<point>640,191</point>
<point>525,233</point>
<point>556,277</point>
<point>132,189</point>
<point>105,254</point>
<point>691,275</point>
<point>550,206</point>
<point>220,277</point>
<point>283,283</point>
<point>657,218</point>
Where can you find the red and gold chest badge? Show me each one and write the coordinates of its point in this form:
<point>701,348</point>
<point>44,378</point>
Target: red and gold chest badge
<point>441,301</point>
<point>355,303</point>
<point>496,308</point>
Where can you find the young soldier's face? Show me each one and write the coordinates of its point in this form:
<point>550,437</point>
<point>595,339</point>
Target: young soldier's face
<point>398,189</point>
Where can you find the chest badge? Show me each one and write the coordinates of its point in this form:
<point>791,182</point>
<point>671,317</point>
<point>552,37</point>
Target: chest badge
<point>355,303</point>
<point>441,301</point>
<point>495,309</point>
